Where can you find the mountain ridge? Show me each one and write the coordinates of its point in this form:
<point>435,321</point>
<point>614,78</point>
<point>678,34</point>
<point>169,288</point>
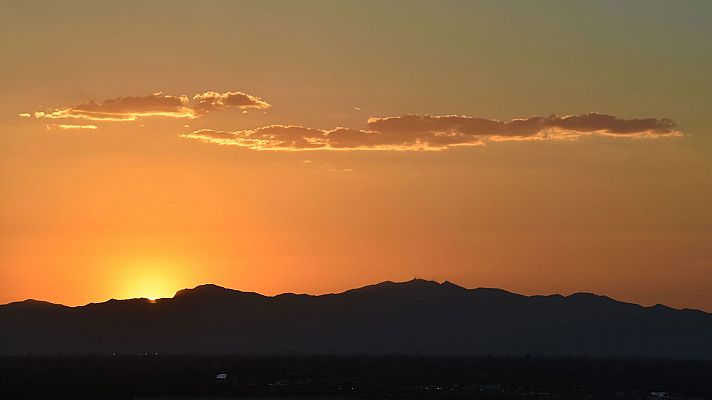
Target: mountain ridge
<point>413,317</point>
<point>215,288</point>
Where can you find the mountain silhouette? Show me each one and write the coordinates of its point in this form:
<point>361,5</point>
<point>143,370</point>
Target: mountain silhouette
<point>414,317</point>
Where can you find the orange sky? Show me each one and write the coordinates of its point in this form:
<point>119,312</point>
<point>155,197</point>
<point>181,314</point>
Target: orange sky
<point>272,147</point>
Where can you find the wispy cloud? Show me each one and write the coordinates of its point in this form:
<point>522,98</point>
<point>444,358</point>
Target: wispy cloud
<point>72,127</point>
<point>429,132</point>
<point>131,108</point>
<point>273,137</point>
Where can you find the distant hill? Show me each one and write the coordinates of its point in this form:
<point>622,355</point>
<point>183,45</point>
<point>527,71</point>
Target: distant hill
<point>415,317</point>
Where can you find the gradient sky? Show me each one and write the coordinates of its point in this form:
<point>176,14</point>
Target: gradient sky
<point>182,190</point>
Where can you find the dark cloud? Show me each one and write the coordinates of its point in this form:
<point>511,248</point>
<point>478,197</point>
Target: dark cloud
<point>594,122</point>
<point>572,126</point>
<point>429,132</point>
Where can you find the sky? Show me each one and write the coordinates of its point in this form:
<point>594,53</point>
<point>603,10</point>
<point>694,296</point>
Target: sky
<point>540,147</point>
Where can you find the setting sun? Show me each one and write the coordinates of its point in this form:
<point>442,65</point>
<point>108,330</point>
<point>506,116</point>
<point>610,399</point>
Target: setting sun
<point>149,278</point>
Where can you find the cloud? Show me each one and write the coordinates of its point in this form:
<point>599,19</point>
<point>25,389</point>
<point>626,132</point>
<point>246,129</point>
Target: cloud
<point>552,127</point>
<point>71,127</point>
<point>211,101</point>
<point>272,137</point>
<point>428,132</point>
<point>131,108</point>
<point>127,108</point>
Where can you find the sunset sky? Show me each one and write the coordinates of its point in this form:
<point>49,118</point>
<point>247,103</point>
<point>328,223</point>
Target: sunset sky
<point>537,146</point>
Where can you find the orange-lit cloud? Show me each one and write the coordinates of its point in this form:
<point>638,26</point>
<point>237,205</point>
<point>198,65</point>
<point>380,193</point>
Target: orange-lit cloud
<point>428,132</point>
<point>72,127</point>
<point>211,101</point>
<point>127,108</point>
<point>273,137</point>
<point>130,108</point>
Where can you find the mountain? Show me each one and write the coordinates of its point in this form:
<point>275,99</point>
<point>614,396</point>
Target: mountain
<point>415,317</point>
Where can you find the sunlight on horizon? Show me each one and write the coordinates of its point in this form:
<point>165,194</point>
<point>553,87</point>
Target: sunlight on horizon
<point>150,278</point>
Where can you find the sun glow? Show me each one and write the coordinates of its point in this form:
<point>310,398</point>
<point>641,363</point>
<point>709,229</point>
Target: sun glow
<point>151,279</point>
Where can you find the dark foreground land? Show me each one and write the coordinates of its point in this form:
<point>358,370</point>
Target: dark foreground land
<point>353,377</point>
